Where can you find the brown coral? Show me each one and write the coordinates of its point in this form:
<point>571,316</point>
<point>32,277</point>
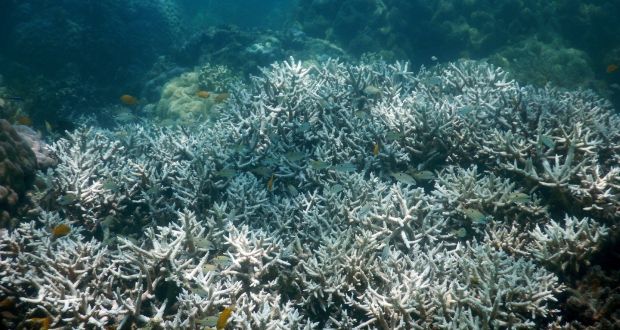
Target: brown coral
<point>18,164</point>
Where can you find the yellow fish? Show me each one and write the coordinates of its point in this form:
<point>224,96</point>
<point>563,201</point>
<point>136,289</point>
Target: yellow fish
<point>61,230</point>
<point>270,183</point>
<point>24,120</point>
<point>48,127</point>
<point>375,149</point>
<point>203,94</point>
<point>224,316</point>
<point>43,322</point>
<point>127,99</point>
<point>219,98</point>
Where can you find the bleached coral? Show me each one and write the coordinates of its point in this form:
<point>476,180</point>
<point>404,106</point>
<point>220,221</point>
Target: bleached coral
<point>328,195</point>
<point>569,244</point>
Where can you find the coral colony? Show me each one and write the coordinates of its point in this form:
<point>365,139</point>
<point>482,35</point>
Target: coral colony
<point>326,196</point>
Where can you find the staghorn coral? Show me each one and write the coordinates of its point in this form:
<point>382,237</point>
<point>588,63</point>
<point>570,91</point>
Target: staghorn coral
<point>216,78</point>
<point>298,206</point>
<point>567,245</point>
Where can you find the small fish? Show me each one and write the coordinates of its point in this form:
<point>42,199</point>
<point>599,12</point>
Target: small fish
<point>125,116</point>
<point>226,173</point>
<point>203,243</point>
<point>240,148</point>
<point>364,210</point>
<point>8,302</point>
<point>209,321</point>
<point>221,261</point>
<point>221,97</point>
<point>361,114</point>
<point>48,127</point>
<point>475,216</point>
<point>203,94</point>
<point>167,122</point>
<point>372,91</point>
<point>127,99</point>
<point>336,188</point>
<point>304,127</point>
<point>319,164</point>
<point>345,167</point>
<point>269,161</point>
<point>67,199</point>
<point>155,190</point>
<point>61,230</point>
<point>200,292</point>
<point>270,183</point>
<point>7,315</point>
<point>24,120</point>
<point>43,322</point>
<point>292,190</point>
<point>393,135</point>
<point>263,171</point>
<point>434,58</point>
<point>110,185</point>
<point>403,178</point>
<point>434,81</point>
<point>108,221</point>
<point>423,175</point>
<point>547,141</point>
<point>519,197</point>
<point>294,156</point>
<point>209,268</point>
<point>612,68</point>
<point>464,111</point>
<point>222,321</point>
<point>375,149</point>
<point>14,98</point>
<point>460,233</point>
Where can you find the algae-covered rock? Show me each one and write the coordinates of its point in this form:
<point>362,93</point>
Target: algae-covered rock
<point>537,62</point>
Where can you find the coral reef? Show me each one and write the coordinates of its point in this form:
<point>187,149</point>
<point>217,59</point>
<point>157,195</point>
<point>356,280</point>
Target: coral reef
<point>326,195</point>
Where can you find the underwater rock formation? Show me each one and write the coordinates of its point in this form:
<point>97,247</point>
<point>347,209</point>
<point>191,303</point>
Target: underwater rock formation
<point>541,62</point>
<point>18,164</point>
<point>327,195</point>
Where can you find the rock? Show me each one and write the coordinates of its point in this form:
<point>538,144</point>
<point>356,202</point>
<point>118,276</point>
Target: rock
<point>18,164</point>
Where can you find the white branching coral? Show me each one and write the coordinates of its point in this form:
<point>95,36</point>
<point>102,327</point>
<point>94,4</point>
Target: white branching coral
<point>568,244</point>
<point>326,195</point>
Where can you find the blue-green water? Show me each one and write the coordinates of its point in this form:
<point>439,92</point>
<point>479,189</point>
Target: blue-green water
<point>380,164</point>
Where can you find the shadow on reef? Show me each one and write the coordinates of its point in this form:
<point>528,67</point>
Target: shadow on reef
<point>593,299</point>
